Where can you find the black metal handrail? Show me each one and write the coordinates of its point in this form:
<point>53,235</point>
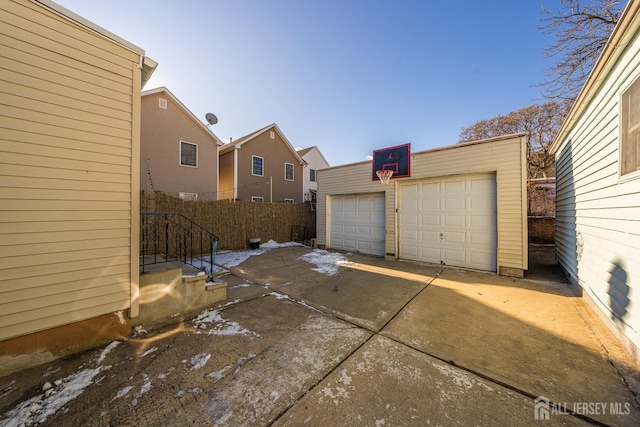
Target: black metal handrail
<point>172,236</point>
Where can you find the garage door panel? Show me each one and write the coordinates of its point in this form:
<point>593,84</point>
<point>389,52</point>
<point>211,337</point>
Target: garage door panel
<point>482,204</point>
<point>430,204</point>
<point>430,187</point>
<point>451,237</point>
<point>454,205</point>
<point>409,235</point>
<point>456,220</point>
<point>477,185</point>
<point>453,185</point>
<point>408,220</point>
<point>480,240</point>
<point>358,223</point>
<point>429,254</point>
<point>479,259</point>
<point>456,223</point>
<point>410,251</point>
<point>427,220</point>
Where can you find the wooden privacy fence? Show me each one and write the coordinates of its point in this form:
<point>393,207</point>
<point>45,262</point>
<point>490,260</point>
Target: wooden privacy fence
<point>236,222</point>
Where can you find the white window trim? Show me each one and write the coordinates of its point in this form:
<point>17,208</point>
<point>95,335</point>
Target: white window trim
<point>635,174</point>
<point>313,175</point>
<point>289,200</point>
<point>180,154</point>
<point>257,199</point>
<point>188,196</point>
<point>258,157</point>
<point>293,171</point>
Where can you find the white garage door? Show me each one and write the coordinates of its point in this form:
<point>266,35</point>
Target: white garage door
<point>450,221</point>
<point>357,223</point>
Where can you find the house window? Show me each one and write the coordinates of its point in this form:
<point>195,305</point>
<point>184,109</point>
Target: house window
<point>630,130</point>
<point>312,175</point>
<point>288,171</point>
<point>257,165</point>
<point>289,201</point>
<point>188,154</point>
<point>162,103</point>
<point>257,199</point>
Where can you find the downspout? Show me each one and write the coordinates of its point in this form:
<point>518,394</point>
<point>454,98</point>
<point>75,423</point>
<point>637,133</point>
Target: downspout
<point>235,174</point>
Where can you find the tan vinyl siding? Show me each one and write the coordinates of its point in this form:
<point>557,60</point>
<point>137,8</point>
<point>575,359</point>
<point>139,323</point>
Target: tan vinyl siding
<point>226,186</point>
<point>162,131</point>
<point>503,156</point>
<point>598,211</point>
<point>68,144</point>
<point>275,153</point>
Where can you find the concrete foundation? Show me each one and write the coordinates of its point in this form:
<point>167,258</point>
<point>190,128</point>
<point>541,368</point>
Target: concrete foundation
<point>167,293</point>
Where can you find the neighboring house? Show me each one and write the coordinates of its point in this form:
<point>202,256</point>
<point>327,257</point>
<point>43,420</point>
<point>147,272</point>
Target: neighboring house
<point>598,184</point>
<point>314,162</point>
<point>69,193</point>
<point>263,167</point>
<point>464,205</point>
<point>178,153</point>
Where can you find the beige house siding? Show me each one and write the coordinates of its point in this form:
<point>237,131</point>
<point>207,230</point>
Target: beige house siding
<point>69,168</point>
<point>275,153</point>
<point>161,133</point>
<point>226,176</point>
<point>504,157</point>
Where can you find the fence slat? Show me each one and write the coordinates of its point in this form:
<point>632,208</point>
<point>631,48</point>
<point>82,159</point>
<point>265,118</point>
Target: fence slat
<point>237,222</point>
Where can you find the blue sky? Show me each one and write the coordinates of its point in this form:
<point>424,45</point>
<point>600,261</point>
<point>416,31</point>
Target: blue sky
<point>349,76</point>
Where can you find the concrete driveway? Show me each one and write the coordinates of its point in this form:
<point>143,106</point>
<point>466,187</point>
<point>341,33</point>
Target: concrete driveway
<point>364,342</point>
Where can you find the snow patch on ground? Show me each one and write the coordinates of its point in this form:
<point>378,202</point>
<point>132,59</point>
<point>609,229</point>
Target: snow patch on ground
<point>138,331</point>
<point>219,374</point>
<point>278,295</point>
<point>226,259</point>
<point>37,409</point>
<point>122,392</point>
<point>145,388</point>
<point>212,320</point>
<point>184,391</point>
<point>326,262</point>
<point>199,361</point>
<point>151,350</point>
<point>107,350</point>
<point>462,379</point>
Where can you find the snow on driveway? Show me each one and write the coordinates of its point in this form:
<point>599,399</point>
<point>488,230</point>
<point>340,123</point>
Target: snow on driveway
<point>326,262</point>
<point>62,391</point>
<point>226,259</point>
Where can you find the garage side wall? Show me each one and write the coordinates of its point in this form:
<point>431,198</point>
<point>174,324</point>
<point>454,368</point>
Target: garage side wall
<point>505,157</point>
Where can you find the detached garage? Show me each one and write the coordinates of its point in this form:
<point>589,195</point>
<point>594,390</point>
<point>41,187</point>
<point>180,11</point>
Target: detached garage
<point>462,205</point>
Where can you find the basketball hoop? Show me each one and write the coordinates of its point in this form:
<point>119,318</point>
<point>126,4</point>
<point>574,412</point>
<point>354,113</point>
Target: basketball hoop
<point>384,175</point>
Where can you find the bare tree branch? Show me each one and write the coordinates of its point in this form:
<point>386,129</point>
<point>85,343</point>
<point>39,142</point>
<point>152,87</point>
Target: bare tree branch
<point>540,123</point>
<point>582,30</point>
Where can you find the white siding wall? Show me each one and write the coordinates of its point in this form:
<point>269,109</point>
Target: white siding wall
<point>69,135</point>
<point>503,156</point>
<point>598,212</point>
<point>316,161</point>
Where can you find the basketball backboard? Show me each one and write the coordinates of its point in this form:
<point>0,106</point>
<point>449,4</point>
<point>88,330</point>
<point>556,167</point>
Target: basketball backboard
<point>393,158</point>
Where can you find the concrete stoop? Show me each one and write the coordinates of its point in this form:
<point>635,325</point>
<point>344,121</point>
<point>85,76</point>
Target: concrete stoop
<point>167,293</point>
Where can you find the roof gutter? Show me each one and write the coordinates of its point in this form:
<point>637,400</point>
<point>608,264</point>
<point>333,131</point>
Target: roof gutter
<point>620,38</point>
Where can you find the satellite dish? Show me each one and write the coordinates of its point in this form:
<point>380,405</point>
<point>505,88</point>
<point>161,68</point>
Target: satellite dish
<point>211,118</point>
